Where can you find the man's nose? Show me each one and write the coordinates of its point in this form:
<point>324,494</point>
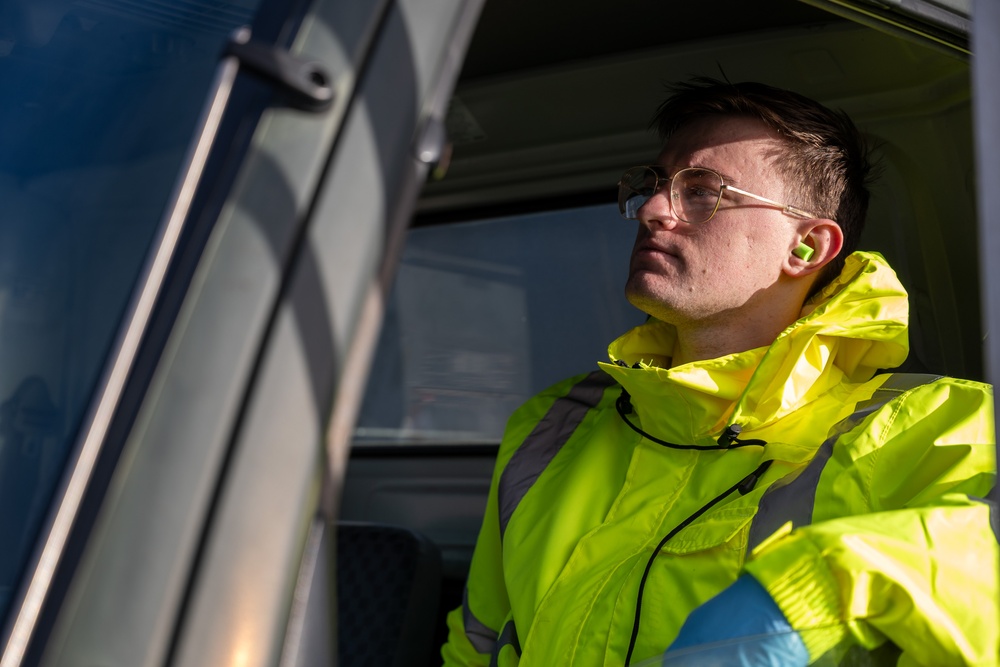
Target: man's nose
<point>656,212</point>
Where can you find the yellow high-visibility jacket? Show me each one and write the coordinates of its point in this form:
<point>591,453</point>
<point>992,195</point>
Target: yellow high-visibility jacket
<point>868,522</point>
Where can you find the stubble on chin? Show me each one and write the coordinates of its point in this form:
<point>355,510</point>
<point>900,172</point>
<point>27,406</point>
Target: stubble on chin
<point>643,294</point>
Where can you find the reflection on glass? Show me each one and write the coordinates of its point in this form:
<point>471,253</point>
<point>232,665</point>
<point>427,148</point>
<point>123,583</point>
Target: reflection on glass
<point>485,314</point>
<point>101,98</point>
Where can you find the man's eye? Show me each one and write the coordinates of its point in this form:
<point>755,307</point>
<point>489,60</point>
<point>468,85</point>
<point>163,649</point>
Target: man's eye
<point>699,192</point>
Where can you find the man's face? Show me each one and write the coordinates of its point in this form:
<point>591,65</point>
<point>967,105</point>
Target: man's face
<point>698,273</point>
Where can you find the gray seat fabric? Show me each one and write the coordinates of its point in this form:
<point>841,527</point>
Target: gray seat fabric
<point>388,587</point>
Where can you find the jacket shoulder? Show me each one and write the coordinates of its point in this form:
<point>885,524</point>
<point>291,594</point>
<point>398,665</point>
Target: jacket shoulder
<point>574,394</point>
<point>944,400</point>
<point>924,437</point>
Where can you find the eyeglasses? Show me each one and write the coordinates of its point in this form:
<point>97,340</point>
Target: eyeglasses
<point>695,193</point>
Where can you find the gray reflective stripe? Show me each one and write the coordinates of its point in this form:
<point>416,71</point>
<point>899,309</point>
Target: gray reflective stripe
<point>508,637</point>
<point>994,514</point>
<point>545,441</point>
<point>480,636</point>
<point>793,498</point>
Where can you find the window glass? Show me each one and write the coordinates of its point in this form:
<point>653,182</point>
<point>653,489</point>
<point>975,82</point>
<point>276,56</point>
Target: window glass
<point>487,313</point>
<point>100,102</point>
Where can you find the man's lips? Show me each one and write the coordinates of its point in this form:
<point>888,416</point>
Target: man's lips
<point>649,249</point>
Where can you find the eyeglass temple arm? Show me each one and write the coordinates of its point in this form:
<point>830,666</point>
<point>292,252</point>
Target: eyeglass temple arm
<point>786,208</point>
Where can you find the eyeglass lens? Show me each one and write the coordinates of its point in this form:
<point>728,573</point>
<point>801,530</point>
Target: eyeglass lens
<point>694,193</point>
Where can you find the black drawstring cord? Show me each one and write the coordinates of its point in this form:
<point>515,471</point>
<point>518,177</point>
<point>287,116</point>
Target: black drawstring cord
<point>728,439</point>
<point>744,486</point>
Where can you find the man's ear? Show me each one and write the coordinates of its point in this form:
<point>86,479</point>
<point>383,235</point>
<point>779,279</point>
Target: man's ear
<point>815,245</point>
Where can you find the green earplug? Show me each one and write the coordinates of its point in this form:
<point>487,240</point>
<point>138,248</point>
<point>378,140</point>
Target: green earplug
<point>804,252</point>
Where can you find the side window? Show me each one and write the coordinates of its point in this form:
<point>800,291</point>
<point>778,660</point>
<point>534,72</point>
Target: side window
<point>99,106</point>
<point>488,312</point>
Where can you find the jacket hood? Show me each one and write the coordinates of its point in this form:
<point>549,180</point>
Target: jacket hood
<point>848,331</point>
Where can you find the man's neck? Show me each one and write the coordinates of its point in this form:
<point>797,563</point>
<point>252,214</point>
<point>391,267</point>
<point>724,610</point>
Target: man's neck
<point>714,344</point>
<point>701,340</point>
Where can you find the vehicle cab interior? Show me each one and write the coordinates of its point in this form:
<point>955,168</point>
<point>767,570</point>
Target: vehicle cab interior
<point>274,274</point>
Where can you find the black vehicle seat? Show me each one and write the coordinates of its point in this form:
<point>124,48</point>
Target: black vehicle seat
<point>388,588</point>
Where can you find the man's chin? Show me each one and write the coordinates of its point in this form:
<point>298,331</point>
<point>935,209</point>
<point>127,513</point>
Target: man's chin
<point>643,284</point>
<point>653,304</point>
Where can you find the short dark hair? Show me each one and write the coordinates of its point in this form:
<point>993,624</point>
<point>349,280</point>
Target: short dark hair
<point>827,160</point>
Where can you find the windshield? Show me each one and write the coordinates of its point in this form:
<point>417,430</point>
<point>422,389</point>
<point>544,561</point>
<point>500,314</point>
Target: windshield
<point>101,99</point>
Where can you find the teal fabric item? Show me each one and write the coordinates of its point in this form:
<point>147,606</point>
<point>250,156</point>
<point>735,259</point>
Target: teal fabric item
<point>746,612</point>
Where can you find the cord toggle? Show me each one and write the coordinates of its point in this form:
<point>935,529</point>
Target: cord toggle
<point>729,438</point>
<point>624,403</point>
<point>748,483</point>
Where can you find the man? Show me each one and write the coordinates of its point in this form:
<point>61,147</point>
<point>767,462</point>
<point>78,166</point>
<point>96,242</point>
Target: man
<point>740,468</point>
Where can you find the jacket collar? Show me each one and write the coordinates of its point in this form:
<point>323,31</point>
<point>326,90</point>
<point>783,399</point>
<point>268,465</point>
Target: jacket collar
<point>846,332</point>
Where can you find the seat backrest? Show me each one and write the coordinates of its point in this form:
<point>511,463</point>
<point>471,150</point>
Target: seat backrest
<point>388,588</point>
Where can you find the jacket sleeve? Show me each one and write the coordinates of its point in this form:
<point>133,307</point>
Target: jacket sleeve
<point>474,627</point>
<point>900,547</point>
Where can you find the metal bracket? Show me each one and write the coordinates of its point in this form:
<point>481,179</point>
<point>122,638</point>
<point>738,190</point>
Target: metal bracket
<point>306,84</point>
